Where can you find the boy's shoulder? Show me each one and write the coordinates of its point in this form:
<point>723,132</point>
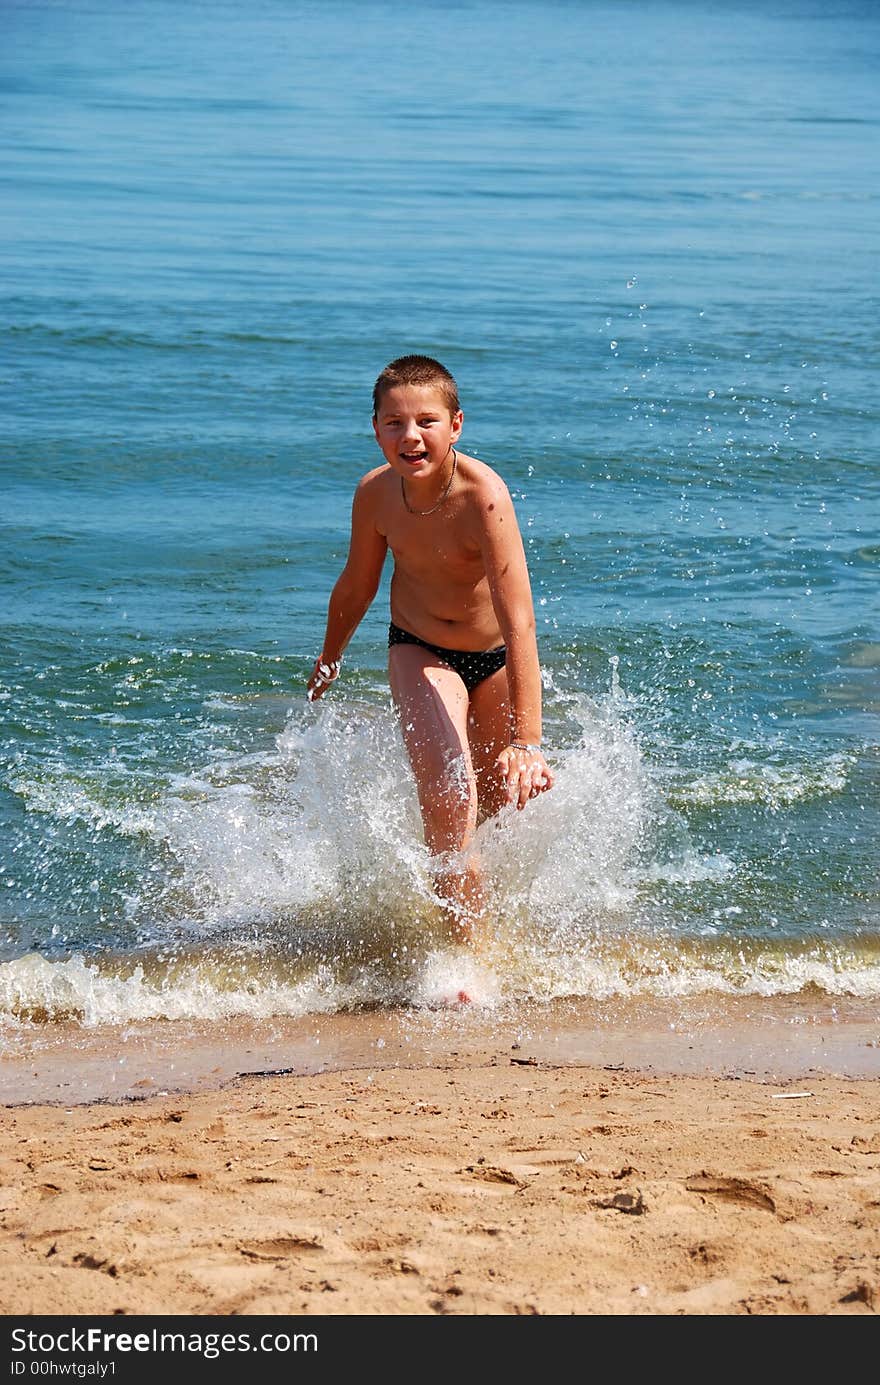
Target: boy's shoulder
<point>481,472</point>
<point>370,477</point>
<point>372,484</point>
<point>485,482</point>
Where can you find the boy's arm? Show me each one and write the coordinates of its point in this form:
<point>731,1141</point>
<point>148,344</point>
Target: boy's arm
<point>521,763</point>
<point>354,590</point>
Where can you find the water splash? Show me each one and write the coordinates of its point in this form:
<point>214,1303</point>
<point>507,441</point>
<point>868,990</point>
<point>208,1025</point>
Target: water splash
<point>294,880</point>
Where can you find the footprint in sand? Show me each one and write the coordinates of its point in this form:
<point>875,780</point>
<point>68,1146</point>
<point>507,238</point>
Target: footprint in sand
<point>280,1247</point>
<point>731,1190</point>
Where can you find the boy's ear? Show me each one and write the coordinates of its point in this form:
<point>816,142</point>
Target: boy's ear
<point>375,428</point>
<point>457,421</point>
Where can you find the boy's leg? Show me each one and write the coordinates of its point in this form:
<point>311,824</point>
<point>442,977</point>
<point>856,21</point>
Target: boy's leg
<point>490,729</point>
<point>432,703</point>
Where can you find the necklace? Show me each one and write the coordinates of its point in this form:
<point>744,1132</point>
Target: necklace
<point>446,490</point>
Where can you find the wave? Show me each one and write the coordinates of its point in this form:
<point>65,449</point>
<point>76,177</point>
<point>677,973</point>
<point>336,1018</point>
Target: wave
<point>773,786</point>
<point>212,985</point>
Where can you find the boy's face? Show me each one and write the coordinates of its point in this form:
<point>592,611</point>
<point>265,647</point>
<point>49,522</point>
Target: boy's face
<point>415,430</point>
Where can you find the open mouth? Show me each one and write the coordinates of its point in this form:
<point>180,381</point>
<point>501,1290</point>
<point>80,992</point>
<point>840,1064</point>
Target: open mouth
<point>413,457</point>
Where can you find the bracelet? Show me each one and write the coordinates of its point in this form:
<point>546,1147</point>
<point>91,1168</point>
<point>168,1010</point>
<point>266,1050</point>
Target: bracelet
<point>524,745</point>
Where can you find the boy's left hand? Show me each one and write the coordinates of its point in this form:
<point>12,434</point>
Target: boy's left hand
<point>323,674</point>
<point>526,773</point>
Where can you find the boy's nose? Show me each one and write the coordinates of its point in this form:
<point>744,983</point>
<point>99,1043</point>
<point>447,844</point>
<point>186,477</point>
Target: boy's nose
<point>411,432</point>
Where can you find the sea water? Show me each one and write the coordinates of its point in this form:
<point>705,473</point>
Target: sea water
<point>643,236</point>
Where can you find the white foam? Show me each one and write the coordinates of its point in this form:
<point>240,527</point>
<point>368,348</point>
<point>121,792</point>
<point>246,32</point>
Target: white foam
<point>96,992</point>
<point>32,986</point>
<point>774,785</point>
<point>59,795</point>
<point>689,868</point>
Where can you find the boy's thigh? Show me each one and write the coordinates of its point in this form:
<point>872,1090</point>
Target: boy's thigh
<point>489,731</point>
<point>432,704</point>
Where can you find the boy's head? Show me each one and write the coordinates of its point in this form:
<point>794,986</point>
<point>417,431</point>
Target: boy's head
<point>417,370</point>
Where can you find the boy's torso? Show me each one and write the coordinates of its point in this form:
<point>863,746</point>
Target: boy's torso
<point>439,590</point>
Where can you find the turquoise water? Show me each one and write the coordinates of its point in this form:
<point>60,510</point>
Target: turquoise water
<point>644,238</point>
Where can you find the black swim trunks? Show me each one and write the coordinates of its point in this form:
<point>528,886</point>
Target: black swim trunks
<point>471,665</point>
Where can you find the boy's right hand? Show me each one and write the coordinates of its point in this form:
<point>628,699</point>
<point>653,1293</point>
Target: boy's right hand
<point>323,674</point>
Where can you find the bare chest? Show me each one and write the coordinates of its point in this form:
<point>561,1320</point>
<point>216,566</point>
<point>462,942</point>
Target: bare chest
<point>435,546</point>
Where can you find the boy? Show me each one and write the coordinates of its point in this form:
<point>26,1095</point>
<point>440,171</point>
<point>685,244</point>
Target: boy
<point>463,659</point>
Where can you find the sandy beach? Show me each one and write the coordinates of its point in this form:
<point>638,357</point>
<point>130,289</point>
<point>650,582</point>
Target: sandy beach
<point>488,1177</point>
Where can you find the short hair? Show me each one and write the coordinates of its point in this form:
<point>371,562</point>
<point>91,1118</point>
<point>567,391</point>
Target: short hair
<point>417,370</point>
